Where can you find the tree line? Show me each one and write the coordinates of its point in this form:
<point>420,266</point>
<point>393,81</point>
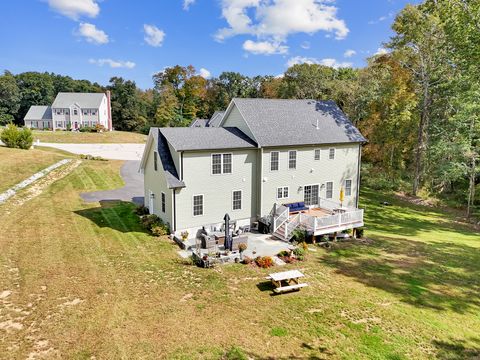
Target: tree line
<point>418,104</point>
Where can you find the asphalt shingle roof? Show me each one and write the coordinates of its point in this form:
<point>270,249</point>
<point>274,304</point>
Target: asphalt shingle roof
<point>216,119</point>
<point>39,112</point>
<point>84,100</point>
<point>208,138</point>
<point>166,160</point>
<point>294,122</point>
<point>200,123</point>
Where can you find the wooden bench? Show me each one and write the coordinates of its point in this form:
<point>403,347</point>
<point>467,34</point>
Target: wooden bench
<point>289,288</point>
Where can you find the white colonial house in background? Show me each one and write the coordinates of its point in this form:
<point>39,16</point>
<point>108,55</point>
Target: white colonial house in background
<point>72,110</point>
<point>289,163</point>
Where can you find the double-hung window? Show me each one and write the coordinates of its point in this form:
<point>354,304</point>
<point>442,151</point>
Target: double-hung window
<point>221,164</point>
<point>316,156</point>
<point>274,160</point>
<point>348,187</point>
<point>282,192</point>
<point>292,159</point>
<point>331,153</point>
<point>163,202</point>
<point>329,192</point>
<point>237,200</point>
<point>197,205</point>
<point>155,160</point>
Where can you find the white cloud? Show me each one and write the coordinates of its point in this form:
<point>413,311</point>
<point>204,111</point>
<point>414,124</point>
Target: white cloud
<point>113,63</point>
<point>279,19</point>
<point>305,45</point>
<point>153,35</point>
<point>381,51</point>
<point>349,53</point>
<point>309,60</point>
<point>204,73</point>
<point>75,8</point>
<point>92,34</point>
<point>187,4</point>
<point>381,18</point>
<point>264,47</point>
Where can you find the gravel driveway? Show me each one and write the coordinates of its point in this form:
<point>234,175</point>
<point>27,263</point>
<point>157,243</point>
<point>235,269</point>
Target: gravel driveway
<point>132,191</point>
<point>106,151</point>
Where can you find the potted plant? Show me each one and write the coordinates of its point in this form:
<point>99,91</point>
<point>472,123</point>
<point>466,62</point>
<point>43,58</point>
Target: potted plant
<point>184,235</point>
<point>241,248</point>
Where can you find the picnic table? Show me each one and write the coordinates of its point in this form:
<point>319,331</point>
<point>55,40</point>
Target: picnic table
<point>286,281</point>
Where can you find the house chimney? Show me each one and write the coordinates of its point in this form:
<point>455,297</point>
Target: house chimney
<point>109,111</point>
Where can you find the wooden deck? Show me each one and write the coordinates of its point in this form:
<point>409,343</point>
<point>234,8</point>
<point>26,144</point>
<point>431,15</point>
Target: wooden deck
<point>317,212</point>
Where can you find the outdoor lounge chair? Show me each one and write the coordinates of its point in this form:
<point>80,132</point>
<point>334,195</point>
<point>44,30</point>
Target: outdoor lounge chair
<point>296,207</point>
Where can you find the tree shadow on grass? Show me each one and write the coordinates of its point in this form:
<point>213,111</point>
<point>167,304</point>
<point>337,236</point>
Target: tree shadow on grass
<point>434,275</point>
<point>457,349</point>
<point>115,214</point>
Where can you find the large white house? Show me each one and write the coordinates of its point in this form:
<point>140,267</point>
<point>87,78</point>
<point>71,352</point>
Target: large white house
<point>261,155</point>
<point>72,111</point>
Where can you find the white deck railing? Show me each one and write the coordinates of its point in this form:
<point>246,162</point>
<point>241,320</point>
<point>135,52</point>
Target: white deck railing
<point>353,217</point>
<point>278,220</point>
<point>292,225</point>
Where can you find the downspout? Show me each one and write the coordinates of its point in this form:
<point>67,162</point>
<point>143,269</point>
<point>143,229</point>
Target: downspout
<point>261,183</point>
<point>181,165</point>
<point>358,174</point>
<point>174,212</point>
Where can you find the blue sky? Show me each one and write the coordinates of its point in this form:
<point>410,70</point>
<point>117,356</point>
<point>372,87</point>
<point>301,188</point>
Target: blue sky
<point>95,40</point>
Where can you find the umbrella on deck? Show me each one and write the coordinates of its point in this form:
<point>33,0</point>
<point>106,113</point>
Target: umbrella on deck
<point>228,238</point>
<point>342,196</point>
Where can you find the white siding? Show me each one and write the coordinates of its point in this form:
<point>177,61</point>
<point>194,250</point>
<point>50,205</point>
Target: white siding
<point>235,119</point>
<point>155,181</point>
<point>310,172</point>
<point>217,189</point>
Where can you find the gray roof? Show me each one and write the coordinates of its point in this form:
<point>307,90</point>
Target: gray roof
<point>193,138</point>
<point>39,112</point>
<point>84,100</point>
<point>169,170</point>
<point>294,122</point>
<point>199,123</point>
<point>216,119</point>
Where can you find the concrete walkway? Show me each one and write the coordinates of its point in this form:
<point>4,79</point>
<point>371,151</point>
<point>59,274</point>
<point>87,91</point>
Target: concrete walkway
<point>106,151</point>
<point>132,191</point>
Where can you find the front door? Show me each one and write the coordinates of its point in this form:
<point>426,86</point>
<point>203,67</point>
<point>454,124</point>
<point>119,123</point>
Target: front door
<point>310,195</point>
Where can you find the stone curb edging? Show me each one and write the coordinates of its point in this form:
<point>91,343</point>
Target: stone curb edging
<point>13,190</point>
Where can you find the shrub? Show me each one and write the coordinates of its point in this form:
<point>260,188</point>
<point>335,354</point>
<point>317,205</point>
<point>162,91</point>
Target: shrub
<point>13,137</point>
<point>159,230</point>
<point>99,128</point>
<point>10,136</point>
<point>284,253</point>
<point>141,210</point>
<point>149,221</point>
<point>264,261</point>
<point>87,129</point>
<point>299,235</point>
<point>299,253</point>
<point>25,139</point>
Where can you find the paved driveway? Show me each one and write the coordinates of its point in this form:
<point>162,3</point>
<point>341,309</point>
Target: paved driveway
<point>106,151</point>
<point>132,191</point>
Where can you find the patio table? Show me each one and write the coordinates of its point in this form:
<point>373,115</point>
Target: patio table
<point>287,277</point>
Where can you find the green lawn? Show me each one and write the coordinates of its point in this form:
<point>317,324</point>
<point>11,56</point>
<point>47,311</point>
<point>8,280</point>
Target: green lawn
<point>86,280</point>
<point>84,137</point>
<point>17,165</point>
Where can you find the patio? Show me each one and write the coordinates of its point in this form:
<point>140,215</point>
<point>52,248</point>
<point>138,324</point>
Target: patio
<point>257,245</point>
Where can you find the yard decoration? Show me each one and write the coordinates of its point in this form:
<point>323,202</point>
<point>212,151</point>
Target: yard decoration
<point>184,235</point>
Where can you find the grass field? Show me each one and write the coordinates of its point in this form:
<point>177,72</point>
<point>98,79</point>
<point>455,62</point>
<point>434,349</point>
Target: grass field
<point>17,165</point>
<point>89,138</point>
<point>86,281</point>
